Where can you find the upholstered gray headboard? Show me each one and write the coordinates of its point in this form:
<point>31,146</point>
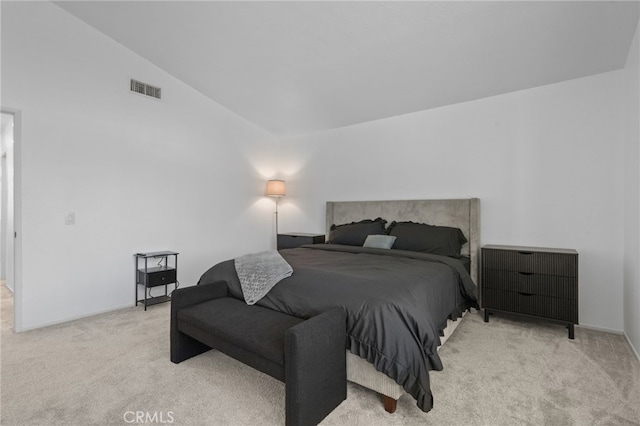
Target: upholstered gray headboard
<point>459,213</point>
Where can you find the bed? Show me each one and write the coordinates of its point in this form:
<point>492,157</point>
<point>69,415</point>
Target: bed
<point>459,213</point>
<point>392,335</point>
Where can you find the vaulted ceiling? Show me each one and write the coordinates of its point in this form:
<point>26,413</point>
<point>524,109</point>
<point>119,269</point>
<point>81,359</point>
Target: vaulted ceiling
<point>300,67</point>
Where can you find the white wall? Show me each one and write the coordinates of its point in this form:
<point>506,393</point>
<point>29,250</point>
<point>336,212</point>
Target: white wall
<point>185,174</point>
<point>179,174</point>
<point>545,162</point>
<point>631,298</point>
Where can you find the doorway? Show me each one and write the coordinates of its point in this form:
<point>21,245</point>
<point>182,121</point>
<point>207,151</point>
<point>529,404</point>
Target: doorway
<point>9,213</point>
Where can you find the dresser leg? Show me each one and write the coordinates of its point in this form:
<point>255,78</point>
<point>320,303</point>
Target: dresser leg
<point>571,328</point>
<point>486,315</point>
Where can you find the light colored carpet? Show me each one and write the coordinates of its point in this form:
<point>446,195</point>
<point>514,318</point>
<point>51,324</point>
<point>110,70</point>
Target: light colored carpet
<point>509,371</point>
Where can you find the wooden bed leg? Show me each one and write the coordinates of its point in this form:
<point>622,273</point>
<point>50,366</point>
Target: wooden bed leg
<point>390,404</point>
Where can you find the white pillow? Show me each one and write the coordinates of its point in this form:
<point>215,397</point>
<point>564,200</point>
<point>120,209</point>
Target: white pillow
<point>379,241</point>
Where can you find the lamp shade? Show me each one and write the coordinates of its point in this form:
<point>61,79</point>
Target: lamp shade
<point>276,188</point>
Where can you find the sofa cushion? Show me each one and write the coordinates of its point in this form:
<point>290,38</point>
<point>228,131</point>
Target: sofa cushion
<point>250,327</point>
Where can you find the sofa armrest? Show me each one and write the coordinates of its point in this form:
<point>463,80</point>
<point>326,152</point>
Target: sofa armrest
<point>189,296</point>
<point>183,346</point>
<point>315,367</point>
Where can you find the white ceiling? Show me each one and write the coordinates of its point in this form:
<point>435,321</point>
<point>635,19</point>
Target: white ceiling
<point>300,67</point>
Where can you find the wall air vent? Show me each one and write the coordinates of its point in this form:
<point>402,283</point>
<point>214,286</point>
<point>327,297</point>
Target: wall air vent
<point>146,89</point>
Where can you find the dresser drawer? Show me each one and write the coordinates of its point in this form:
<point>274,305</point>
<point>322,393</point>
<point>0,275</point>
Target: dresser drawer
<point>531,262</point>
<point>531,283</point>
<point>157,276</point>
<point>531,304</point>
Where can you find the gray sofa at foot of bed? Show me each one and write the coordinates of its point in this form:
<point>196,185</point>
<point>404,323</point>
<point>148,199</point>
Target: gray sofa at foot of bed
<point>307,355</point>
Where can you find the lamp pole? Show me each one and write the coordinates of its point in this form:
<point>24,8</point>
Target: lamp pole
<point>277,199</point>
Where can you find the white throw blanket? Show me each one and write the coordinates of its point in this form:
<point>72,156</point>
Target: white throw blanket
<point>259,272</point>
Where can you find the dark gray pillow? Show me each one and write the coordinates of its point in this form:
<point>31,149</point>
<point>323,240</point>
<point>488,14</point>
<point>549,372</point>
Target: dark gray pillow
<point>355,233</point>
<point>442,240</point>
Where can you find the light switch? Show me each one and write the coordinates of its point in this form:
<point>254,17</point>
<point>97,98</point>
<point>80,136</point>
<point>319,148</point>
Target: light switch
<point>70,218</point>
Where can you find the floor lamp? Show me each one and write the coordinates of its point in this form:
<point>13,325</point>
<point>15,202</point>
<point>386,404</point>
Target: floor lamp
<point>276,189</point>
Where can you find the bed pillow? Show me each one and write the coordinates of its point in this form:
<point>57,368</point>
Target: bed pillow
<point>379,241</point>
<point>442,240</point>
<point>354,233</point>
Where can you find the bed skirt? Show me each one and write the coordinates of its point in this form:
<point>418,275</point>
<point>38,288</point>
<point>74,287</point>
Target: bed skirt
<point>362,372</point>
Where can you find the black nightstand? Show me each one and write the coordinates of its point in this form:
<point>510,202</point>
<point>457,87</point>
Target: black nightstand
<point>296,239</point>
<point>532,281</point>
<point>165,273</point>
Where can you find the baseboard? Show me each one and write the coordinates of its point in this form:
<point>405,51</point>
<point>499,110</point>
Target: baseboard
<point>633,348</point>
<point>606,330</point>
<point>66,320</point>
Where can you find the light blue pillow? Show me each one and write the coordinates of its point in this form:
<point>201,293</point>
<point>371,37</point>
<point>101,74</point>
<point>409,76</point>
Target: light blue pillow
<point>379,241</point>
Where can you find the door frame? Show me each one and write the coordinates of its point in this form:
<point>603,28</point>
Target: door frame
<point>17,216</point>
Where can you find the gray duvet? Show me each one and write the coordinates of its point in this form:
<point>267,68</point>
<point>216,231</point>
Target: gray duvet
<point>397,303</point>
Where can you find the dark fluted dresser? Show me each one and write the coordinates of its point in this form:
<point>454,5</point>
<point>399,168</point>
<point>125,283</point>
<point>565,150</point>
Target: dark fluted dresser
<point>532,281</point>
